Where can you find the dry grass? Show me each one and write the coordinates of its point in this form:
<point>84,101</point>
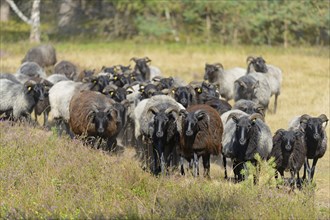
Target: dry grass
<point>305,89</point>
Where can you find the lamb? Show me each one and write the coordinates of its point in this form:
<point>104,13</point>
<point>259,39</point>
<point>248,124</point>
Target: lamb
<point>141,66</point>
<point>254,87</point>
<point>66,68</point>
<point>200,129</point>
<point>44,55</point>
<point>157,124</point>
<point>224,79</point>
<point>289,151</point>
<point>252,136</point>
<point>315,138</point>
<point>249,107</point>
<point>92,114</point>
<point>273,75</point>
<point>18,100</point>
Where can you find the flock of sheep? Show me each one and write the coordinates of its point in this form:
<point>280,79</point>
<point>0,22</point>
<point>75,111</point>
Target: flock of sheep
<point>167,120</point>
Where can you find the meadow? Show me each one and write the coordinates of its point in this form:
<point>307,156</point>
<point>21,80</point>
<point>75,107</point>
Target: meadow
<point>43,176</point>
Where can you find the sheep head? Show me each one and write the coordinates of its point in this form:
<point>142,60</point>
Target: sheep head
<point>313,126</point>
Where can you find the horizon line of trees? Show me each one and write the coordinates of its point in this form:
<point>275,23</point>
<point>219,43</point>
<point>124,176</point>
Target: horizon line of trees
<point>267,22</point>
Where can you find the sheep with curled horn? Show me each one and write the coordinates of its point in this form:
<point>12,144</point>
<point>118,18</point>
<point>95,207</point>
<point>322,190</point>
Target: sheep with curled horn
<point>200,129</point>
<point>289,151</point>
<point>315,137</point>
<point>204,91</point>
<point>249,107</point>
<point>251,136</point>
<point>254,87</point>
<point>184,95</point>
<point>92,114</point>
<point>223,79</point>
<point>157,124</point>
<point>142,67</point>
<point>273,75</point>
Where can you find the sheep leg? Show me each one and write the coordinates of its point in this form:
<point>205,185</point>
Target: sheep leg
<point>224,161</point>
<point>313,169</point>
<point>181,166</point>
<point>196,167</point>
<point>46,119</point>
<point>275,103</point>
<point>291,180</point>
<point>206,165</point>
<point>298,182</point>
<point>308,168</point>
<point>67,129</point>
<point>35,116</point>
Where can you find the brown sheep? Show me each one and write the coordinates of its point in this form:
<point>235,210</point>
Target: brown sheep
<point>200,135</point>
<point>92,114</point>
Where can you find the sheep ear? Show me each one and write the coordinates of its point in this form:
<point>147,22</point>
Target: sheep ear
<point>147,59</point>
<point>232,116</point>
<point>324,119</point>
<point>304,118</point>
<point>133,58</point>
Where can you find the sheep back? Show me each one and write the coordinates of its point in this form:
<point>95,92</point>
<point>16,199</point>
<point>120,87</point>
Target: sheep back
<point>44,55</point>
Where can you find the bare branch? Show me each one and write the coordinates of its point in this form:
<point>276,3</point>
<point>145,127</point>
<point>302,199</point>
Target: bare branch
<point>18,12</point>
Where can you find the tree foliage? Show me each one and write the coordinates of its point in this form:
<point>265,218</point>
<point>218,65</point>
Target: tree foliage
<point>271,22</point>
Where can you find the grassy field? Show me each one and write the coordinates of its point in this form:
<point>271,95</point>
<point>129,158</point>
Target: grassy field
<point>42,176</point>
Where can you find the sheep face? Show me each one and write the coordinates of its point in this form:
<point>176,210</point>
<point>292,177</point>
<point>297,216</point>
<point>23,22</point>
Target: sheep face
<point>247,88</point>
<point>313,126</point>
<point>165,83</point>
<point>110,70</point>
<point>259,65</point>
<point>142,65</point>
<point>100,120</point>
<point>125,69</point>
<point>120,80</point>
<point>35,90</point>
<point>161,120</point>
<point>190,121</point>
<point>288,139</point>
<point>206,92</point>
<point>243,128</point>
<point>211,72</point>
<point>183,96</point>
<point>148,91</point>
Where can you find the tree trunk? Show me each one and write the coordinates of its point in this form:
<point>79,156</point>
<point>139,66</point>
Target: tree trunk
<point>169,20</point>
<point>66,19</point>
<point>208,25</point>
<point>4,12</point>
<point>35,19</point>
<point>285,34</point>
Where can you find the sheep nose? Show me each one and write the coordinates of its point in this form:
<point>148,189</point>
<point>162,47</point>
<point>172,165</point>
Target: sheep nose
<point>189,132</point>
<point>288,147</point>
<point>183,101</point>
<point>100,130</point>
<point>159,134</point>
<point>316,136</point>
<point>242,141</point>
<point>41,97</point>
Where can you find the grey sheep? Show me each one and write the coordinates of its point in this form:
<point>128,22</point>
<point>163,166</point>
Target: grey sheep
<point>224,79</point>
<point>28,70</point>
<point>18,100</point>
<point>158,127</point>
<point>44,55</point>
<point>55,78</point>
<point>67,68</point>
<point>315,137</point>
<point>9,76</point>
<point>200,128</point>
<point>254,87</point>
<point>273,75</point>
<point>92,114</point>
<point>251,136</point>
<point>289,151</point>
<point>249,107</point>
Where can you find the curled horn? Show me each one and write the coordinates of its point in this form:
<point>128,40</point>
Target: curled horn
<point>172,110</point>
<point>92,112</point>
<point>255,116</point>
<point>233,116</point>
<point>218,65</point>
<point>133,58</point>
<point>183,112</point>
<point>324,118</point>
<point>202,114</point>
<point>304,118</point>
<point>153,110</point>
<point>157,78</point>
<point>241,83</point>
<point>147,59</point>
<point>249,59</point>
